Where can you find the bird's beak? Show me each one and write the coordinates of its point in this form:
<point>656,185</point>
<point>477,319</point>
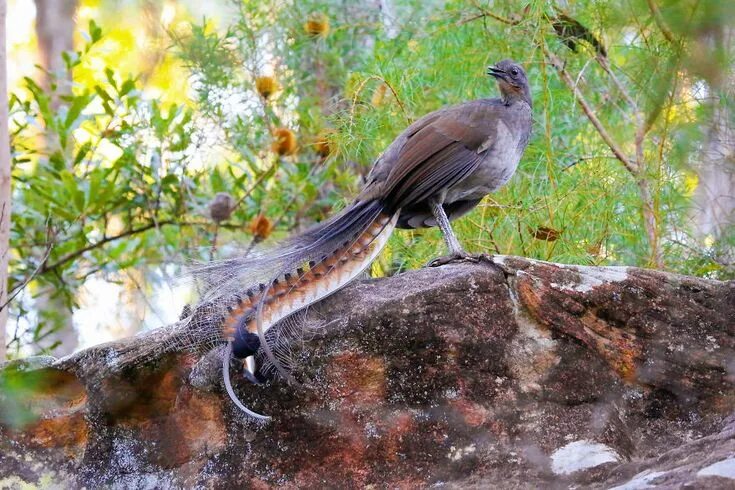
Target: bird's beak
<point>495,72</point>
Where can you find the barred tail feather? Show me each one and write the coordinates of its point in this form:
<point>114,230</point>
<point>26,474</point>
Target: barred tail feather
<point>288,278</point>
<point>323,278</point>
<point>226,279</point>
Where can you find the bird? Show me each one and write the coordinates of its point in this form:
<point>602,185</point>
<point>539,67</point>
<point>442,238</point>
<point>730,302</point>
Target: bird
<point>436,170</point>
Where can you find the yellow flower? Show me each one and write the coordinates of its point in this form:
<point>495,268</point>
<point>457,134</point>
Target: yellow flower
<point>261,227</point>
<point>322,147</point>
<point>379,95</point>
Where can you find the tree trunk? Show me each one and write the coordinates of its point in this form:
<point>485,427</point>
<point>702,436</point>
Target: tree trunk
<point>508,372</point>
<point>4,179</point>
<point>390,19</point>
<point>713,209</point>
<point>715,195</point>
<point>55,31</point>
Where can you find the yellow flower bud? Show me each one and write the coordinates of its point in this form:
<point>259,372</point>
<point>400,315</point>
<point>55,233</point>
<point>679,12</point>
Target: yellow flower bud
<point>317,25</point>
<point>284,142</point>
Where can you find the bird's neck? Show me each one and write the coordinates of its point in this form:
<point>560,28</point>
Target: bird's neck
<point>514,96</point>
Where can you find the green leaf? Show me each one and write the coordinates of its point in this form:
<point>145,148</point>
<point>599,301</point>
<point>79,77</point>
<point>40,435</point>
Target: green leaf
<point>82,152</point>
<point>93,196</point>
<point>171,234</point>
<point>40,191</point>
<point>102,93</point>
<point>108,109</point>
<point>64,212</point>
<point>79,103</point>
<point>57,161</point>
<point>115,252</point>
<point>218,183</point>
<point>110,75</point>
<point>170,180</point>
<point>95,32</point>
<point>43,100</point>
<point>127,86</point>
<point>73,190</point>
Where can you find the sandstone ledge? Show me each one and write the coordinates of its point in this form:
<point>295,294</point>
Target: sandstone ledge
<point>512,373</point>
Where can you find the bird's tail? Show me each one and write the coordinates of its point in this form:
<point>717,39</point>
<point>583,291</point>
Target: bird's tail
<point>257,291</point>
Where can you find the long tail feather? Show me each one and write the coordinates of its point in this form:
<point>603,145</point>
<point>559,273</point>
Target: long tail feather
<point>334,270</point>
<point>257,291</point>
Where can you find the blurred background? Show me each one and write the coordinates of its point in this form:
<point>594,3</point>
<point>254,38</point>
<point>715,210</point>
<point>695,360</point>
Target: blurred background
<point>150,134</point>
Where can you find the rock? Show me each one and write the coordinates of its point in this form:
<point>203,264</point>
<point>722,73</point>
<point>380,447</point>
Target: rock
<point>508,372</point>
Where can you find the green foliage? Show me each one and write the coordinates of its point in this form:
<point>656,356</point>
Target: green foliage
<point>20,381</point>
<point>573,201</point>
<point>108,180</point>
<point>99,175</point>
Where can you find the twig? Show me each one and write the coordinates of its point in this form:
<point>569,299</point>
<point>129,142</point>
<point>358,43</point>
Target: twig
<point>589,112</point>
<point>362,86</point>
<point>586,159</point>
<point>660,22</point>
<point>604,63</point>
<point>213,248</point>
<point>16,290</point>
<point>487,13</point>
<point>144,296</point>
<point>257,239</point>
<point>257,182</point>
<point>73,255</point>
<point>643,125</point>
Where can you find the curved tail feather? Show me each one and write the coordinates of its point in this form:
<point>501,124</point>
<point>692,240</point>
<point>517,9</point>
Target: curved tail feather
<point>231,393</point>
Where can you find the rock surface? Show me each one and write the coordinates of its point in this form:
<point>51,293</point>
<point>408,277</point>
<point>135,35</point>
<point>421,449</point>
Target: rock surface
<point>508,372</point>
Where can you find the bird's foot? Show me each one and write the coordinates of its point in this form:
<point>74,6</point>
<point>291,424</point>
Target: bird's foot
<point>460,257</point>
<point>250,372</point>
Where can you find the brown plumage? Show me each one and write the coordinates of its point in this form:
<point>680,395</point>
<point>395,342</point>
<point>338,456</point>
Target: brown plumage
<point>439,168</point>
<point>455,155</point>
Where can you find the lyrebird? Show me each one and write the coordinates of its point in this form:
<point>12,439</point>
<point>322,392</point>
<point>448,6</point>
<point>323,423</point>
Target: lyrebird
<point>436,170</point>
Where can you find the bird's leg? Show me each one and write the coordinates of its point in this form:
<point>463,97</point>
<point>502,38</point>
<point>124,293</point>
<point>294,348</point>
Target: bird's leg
<point>449,237</point>
<point>455,249</point>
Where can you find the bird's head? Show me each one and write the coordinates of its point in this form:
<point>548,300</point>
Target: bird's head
<point>512,81</point>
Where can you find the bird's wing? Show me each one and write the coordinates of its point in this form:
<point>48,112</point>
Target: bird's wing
<point>436,152</point>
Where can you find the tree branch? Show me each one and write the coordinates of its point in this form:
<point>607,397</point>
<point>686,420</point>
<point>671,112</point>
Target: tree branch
<point>589,112</point>
<point>73,255</point>
<point>11,296</point>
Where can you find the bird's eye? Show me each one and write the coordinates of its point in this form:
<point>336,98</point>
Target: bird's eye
<point>514,72</point>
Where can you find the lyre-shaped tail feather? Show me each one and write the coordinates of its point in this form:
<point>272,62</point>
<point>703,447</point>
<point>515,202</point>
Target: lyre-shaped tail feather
<point>290,277</point>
